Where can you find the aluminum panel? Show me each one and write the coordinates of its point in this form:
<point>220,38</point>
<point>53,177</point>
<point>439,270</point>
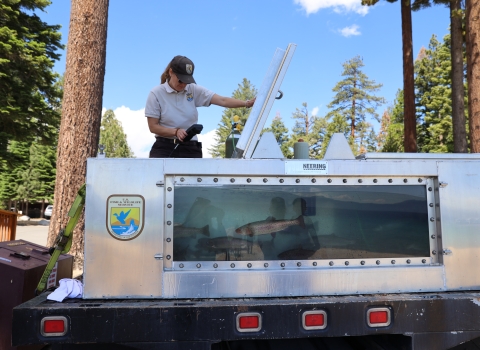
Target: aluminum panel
<point>459,209</point>
<point>259,167</point>
<point>122,269</point>
<point>223,284</point>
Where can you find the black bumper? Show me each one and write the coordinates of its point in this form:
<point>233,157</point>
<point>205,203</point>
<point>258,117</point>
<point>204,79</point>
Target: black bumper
<point>429,321</point>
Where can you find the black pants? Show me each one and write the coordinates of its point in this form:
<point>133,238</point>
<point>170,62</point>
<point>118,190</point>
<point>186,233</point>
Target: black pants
<point>162,149</point>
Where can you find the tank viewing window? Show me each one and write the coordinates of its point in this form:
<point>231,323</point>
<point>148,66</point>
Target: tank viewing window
<point>276,222</point>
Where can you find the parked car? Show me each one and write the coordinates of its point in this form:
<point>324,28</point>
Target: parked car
<point>48,211</point>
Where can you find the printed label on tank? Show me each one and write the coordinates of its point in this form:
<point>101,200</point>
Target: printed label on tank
<point>125,216</point>
<point>304,167</point>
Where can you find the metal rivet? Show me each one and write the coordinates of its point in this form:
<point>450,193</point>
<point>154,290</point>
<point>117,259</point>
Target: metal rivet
<point>433,236</point>
<point>347,263</point>
<point>362,262</point>
<point>405,180</point>
<point>344,181</point>
<point>215,179</point>
<point>169,206</point>
<point>409,261</point>
<point>249,180</point>
<point>360,181</point>
<point>329,181</point>
<point>431,205</point>
<point>393,262</point>
<point>181,266</point>
<point>214,265</point>
<point>169,239</point>
<point>232,265</point>
<point>377,262</point>
<point>330,263</point>
<point>168,257</point>
<point>434,252</point>
<point>314,263</point>
<point>375,181</point>
<point>432,219</point>
<point>424,261</point>
<point>232,180</point>
<point>420,180</point>
<point>430,189</point>
<point>297,181</point>
<point>266,264</point>
<point>299,264</point>
<point>314,180</point>
<point>199,179</point>
<point>390,181</point>
<point>199,265</point>
<point>265,180</point>
<point>282,264</point>
<point>169,222</point>
<point>169,189</point>
<point>281,181</point>
<point>182,179</point>
<point>249,265</point>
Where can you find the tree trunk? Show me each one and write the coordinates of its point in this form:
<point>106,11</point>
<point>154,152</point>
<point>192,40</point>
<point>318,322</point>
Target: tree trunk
<point>81,112</point>
<point>458,90</point>
<point>473,72</point>
<point>410,119</point>
<point>43,209</point>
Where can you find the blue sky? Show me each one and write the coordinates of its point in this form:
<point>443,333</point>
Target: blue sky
<point>229,40</point>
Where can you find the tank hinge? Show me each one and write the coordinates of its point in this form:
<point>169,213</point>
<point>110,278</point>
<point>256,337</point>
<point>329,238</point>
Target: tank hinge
<point>446,251</point>
<point>443,184</point>
<point>158,256</point>
<point>160,183</point>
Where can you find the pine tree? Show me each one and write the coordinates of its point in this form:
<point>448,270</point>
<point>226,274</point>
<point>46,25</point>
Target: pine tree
<point>354,98</point>
<point>393,124</point>
<point>410,137</point>
<point>81,112</point>
<point>306,128</point>
<point>473,72</point>
<point>245,91</point>
<point>43,159</point>
<point>113,138</point>
<point>434,98</point>
<point>28,94</point>
<point>280,131</point>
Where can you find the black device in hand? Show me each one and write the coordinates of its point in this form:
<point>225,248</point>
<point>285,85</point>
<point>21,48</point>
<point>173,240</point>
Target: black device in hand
<point>192,131</point>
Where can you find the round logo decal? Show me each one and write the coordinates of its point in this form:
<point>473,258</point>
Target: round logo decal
<point>125,216</point>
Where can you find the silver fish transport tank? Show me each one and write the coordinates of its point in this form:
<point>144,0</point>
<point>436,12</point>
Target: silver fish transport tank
<point>215,228</point>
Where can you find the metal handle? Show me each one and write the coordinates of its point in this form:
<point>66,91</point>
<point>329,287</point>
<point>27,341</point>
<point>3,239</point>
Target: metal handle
<point>281,95</point>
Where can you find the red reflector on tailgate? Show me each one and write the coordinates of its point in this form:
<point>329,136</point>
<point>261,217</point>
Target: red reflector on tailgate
<point>379,317</point>
<point>53,326</point>
<point>249,322</point>
<point>315,319</point>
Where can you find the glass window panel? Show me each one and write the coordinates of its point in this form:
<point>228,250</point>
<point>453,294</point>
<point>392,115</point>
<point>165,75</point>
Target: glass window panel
<point>248,223</point>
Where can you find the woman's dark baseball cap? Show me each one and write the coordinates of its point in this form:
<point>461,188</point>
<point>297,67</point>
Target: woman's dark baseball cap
<point>183,68</point>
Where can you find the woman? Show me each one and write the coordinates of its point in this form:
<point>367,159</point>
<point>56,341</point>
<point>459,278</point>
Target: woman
<point>172,108</point>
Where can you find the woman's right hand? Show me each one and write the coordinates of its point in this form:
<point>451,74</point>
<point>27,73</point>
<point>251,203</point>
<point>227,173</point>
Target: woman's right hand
<point>180,134</point>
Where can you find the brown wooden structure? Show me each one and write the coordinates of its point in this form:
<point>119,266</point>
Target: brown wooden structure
<point>8,225</point>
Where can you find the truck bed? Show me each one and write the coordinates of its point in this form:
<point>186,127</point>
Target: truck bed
<point>419,321</point>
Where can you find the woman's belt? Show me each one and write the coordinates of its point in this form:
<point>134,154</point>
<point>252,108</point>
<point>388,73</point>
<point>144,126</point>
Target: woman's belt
<point>175,141</point>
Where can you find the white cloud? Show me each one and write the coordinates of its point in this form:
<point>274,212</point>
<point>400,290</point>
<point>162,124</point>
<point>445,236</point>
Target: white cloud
<point>349,31</point>
<point>207,140</point>
<point>339,6</point>
<point>315,110</point>
<point>140,139</point>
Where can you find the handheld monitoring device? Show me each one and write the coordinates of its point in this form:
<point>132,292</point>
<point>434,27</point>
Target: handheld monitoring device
<point>191,132</point>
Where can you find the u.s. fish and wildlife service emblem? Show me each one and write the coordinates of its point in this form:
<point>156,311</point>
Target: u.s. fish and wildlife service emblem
<point>189,97</point>
<point>125,216</point>
<point>189,68</point>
